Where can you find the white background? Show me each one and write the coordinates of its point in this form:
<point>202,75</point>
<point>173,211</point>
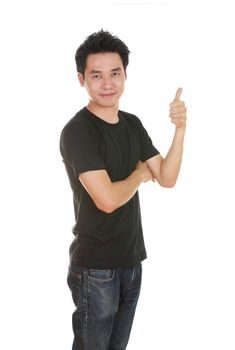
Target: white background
<point>187,300</point>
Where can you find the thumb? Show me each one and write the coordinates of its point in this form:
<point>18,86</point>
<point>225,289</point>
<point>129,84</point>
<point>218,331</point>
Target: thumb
<point>178,94</point>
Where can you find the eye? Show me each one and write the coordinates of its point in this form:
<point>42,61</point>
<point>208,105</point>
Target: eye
<point>115,74</point>
<point>96,76</point>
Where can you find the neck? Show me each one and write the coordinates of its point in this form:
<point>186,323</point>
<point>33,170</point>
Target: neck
<point>109,114</point>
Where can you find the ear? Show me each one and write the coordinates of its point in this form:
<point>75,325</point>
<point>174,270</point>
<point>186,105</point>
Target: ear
<point>81,79</point>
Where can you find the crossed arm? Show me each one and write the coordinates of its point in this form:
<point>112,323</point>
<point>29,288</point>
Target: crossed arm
<point>109,196</point>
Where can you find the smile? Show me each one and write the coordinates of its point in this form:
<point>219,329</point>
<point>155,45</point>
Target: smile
<point>108,95</point>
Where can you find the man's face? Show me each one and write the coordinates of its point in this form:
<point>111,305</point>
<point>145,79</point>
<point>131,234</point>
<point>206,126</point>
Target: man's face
<point>104,78</point>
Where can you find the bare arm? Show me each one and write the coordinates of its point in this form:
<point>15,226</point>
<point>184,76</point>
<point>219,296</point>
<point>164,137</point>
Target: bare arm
<point>166,170</point>
<point>108,195</point>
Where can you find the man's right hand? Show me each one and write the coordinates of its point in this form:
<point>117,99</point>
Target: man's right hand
<point>143,169</point>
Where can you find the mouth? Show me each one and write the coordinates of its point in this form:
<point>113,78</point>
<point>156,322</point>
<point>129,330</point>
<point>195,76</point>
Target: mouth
<point>108,95</point>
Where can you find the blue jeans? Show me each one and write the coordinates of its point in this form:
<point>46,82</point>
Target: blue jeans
<point>105,303</point>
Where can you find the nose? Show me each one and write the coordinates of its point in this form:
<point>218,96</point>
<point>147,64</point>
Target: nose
<point>107,83</point>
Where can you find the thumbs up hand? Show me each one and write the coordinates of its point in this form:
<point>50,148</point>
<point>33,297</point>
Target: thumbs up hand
<point>178,111</point>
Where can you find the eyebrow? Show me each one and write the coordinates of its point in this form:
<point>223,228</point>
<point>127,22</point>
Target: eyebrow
<point>99,71</point>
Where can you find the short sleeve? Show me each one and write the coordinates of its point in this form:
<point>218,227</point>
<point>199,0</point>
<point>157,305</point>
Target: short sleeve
<point>147,148</point>
<point>79,147</point>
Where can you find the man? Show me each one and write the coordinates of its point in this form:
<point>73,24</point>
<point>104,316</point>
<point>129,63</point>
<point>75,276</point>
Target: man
<point>108,154</point>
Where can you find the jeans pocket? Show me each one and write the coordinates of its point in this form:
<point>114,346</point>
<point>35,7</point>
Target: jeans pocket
<point>74,281</point>
<point>101,275</point>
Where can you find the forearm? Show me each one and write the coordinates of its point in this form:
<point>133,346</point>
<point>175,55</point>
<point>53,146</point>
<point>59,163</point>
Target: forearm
<point>122,191</point>
<point>171,164</point>
<point>108,195</point>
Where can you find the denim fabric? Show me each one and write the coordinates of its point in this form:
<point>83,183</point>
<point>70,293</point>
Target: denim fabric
<point>105,303</point>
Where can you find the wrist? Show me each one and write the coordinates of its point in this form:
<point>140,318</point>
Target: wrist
<point>137,175</point>
<point>180,130</point>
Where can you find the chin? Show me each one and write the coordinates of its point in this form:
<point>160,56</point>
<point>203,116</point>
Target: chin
<point>110,104</point>
<point>107,104</point>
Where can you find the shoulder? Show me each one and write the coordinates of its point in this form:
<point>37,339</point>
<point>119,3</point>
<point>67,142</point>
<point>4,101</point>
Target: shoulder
<point>131,119</point>
<point>129,116</point>
<point>79,132</point>
<point>78,124</point>
<point>78,120</point>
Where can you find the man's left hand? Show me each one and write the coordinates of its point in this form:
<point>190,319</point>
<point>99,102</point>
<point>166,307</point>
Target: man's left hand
<point>178,111</point>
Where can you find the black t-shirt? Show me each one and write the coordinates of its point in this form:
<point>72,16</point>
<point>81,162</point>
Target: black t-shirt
<point>88,143</point>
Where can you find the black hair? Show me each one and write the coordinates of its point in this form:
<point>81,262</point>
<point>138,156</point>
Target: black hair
<point>101,41</point>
